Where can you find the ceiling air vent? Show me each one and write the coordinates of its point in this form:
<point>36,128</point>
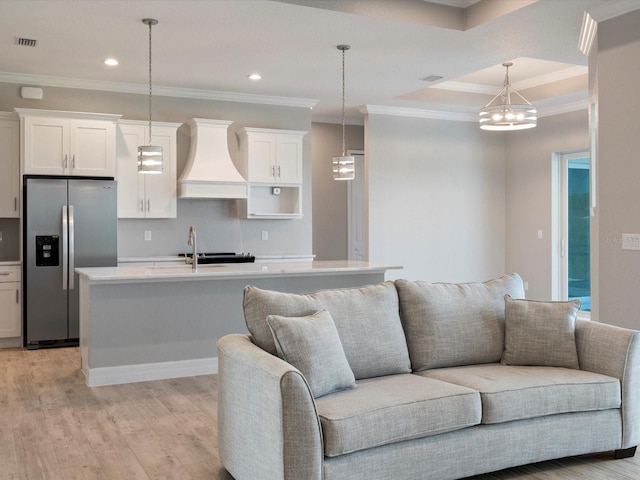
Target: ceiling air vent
<point>432,78</point>
<point>26,42</point>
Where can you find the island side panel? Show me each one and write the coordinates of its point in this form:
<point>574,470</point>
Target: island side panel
<point>140,324</point>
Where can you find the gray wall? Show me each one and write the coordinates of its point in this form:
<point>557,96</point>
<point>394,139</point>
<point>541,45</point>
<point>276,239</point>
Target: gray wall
<point>216,220</point>
<point>618,168</point>
<point>330,216</point>
<point>436,198</point>
<point>529,195</point>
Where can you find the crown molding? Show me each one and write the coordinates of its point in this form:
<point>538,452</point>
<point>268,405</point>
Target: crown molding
<point>564,108</point>
<point>545,79</point>
<point>466,116</point>
<point>138,89</point>
<point>419,113</point>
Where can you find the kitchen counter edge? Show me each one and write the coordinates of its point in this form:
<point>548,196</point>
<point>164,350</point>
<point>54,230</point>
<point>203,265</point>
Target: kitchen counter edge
<point>179,273</point>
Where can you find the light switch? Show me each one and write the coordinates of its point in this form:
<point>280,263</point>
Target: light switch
<point>265,235</point>
<point>147,235</point>
<point>539,233</point>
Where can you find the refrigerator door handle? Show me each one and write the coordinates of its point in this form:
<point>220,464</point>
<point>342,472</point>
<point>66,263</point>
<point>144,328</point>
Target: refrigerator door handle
<point>72,274</point>
<point>65,247</point>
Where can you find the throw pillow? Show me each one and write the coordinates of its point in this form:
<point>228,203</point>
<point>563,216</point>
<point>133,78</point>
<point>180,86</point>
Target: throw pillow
<point>540,333</point>
<point>367,319</point>
<point>312,345</point>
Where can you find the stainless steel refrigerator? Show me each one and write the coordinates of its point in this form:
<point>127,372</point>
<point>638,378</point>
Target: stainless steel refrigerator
<point>68,223</point>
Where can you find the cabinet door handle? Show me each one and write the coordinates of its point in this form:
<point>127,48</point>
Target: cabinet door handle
<point>5,274</point>
<point>17,296</point>
<point>278,170</point>
<point>73,162</point>
<point>66,158</point>
<point>15,203</point>
<point>142,205</point>
<point>148,205</point>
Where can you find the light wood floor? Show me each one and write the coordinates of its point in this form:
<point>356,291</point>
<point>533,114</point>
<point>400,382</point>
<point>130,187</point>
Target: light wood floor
<point>52,426</point>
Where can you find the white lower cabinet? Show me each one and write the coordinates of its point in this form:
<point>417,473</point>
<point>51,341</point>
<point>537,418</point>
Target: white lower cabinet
<point>146,195</point>
<point>10,302</point>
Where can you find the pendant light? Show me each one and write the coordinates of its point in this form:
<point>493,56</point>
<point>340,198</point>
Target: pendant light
<point>150,156</point>
<point>501,114</point>
<point>344,166</point>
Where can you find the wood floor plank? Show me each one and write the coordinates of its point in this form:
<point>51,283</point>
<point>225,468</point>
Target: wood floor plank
<point>52,426</point>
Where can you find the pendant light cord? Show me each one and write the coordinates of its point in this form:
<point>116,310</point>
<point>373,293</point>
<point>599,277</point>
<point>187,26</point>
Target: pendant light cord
<point>150,84</point>
<point>343,48</point>
<point>343,126</point>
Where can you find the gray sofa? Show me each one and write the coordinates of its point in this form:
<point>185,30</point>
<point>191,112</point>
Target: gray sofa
<point>415,380</point>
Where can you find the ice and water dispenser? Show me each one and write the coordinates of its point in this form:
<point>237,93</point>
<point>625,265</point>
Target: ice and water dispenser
<point>47,251</point>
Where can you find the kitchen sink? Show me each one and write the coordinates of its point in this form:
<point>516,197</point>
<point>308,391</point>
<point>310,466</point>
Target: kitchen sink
<point>224,257</point>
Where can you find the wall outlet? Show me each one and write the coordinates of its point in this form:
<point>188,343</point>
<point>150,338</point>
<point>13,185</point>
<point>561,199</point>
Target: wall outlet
<point>631,241</point>
<point>147,235</point>
<point>265,235</point>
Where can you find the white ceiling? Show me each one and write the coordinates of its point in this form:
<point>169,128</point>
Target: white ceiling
<point>203,48</point>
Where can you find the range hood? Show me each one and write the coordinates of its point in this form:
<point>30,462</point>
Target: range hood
<point>210,172</point>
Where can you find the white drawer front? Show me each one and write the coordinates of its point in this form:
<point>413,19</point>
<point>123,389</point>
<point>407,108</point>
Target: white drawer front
<point>10,274</point>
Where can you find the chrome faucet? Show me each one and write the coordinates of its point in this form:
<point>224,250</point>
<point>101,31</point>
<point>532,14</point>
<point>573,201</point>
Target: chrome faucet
<point>194,249</point>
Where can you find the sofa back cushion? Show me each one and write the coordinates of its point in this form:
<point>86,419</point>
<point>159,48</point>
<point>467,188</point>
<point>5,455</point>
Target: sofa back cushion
<point>367,320</point>
<point>449,324</point>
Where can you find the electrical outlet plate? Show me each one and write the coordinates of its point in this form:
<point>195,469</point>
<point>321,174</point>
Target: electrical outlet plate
<point>631,241</point>
<point>147,235</point>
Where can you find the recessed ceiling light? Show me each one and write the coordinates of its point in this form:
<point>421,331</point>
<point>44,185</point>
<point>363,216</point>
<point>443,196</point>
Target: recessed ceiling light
<point>112,62</point>
<point>254,76</point>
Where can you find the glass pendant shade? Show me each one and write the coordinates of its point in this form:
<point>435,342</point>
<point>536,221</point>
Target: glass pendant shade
<point>344,168</point>
<point>150,159</point>
<point>501,114</point>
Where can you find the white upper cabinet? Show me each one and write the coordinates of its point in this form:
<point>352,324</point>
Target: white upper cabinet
<point>68,143</point>
<point>271,156</point>
<point>9,166</point>
<point>146,195</point>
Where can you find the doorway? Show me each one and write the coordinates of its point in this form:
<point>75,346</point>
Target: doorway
<point>574,263</point>
<point>357,245</point>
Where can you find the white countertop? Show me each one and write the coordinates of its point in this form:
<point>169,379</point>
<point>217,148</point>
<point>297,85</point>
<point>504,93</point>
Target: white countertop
<point>173,273</point>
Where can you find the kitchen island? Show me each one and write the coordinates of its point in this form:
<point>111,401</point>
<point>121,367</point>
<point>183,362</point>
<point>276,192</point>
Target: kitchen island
<point>140,323</point>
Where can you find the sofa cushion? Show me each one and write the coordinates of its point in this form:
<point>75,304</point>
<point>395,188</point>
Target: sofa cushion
<point>392,409</point>
<point>517,392</point>
<point>450,324</point>
<point>312,345</point>
<point>540,333</point>
<point>367,320</point>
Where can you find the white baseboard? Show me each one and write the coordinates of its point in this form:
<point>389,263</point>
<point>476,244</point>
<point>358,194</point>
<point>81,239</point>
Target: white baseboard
<point>97,377</point>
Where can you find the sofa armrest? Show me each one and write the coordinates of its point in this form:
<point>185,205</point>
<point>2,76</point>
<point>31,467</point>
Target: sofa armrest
<point>268,426</point>
<point>614,351</point>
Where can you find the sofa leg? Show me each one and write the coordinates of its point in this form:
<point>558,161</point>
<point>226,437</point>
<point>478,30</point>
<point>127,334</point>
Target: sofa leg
<point>625,453</point>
